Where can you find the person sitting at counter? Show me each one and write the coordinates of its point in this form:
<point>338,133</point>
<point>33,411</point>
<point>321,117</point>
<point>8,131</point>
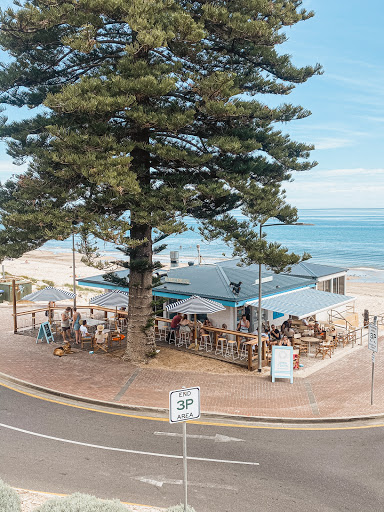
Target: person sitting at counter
<point>275,334</point>
<point>284,342</point>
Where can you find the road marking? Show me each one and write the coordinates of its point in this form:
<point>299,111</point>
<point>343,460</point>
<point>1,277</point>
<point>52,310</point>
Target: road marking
<point>206,423</point>
<point>124,450</point>
<point>160,483</point>
<point>218,438</point>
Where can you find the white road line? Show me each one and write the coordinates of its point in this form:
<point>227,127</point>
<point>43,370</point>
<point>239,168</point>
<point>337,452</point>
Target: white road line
<point>111,448</point>
<point>160,483</point>
<point>218,438</point>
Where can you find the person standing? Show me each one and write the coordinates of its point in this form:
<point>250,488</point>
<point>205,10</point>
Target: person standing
<point>65,323</point>
<point>76,325</point>
<point>243,325</point>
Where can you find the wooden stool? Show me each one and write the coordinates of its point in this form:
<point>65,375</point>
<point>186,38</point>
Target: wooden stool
<point>205,342</point>
<point>220,346</point>
<point>162,333</point>
<point>183,339</point>
<point>231,350</point>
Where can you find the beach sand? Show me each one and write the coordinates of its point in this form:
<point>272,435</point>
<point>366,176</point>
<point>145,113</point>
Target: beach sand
<point>46,266</point>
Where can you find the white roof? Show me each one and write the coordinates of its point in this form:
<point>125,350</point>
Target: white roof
<point>302,303</point>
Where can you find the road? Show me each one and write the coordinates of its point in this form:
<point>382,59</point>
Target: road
<point>65,447</point>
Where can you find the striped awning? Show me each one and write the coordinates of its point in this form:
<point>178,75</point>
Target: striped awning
<point>195,304</point>
<point>49,294</point>
<point>115,298</point>
<point>302,303</point>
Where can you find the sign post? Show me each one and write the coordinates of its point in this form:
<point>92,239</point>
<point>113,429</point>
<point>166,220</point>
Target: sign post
<point>282,363</point>
<point>45,332</point>
<point>184,405</point>
<point>373,345</point>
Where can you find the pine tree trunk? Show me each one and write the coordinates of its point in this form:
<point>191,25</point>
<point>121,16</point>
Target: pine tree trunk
<point>140,335</point>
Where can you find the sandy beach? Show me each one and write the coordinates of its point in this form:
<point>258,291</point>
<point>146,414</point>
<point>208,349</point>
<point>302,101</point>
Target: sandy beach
<point>46,267</point>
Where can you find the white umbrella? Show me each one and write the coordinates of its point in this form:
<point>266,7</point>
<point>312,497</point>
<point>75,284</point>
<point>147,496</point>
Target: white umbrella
<point>114,298</point>
<point>49,294</point>
<point>195,305</point>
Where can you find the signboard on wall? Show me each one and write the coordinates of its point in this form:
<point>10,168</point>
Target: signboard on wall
<point>282,363</point>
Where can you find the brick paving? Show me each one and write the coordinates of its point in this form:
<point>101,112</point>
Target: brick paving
<point>341,389</point>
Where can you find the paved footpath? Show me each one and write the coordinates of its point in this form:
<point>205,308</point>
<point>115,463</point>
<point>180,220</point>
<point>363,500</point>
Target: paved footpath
<point>341,389</point>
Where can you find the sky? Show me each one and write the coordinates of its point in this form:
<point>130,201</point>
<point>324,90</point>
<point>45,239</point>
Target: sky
<point>347,105</point>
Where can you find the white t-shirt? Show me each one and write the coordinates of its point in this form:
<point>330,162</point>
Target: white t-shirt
<point>83,330</point>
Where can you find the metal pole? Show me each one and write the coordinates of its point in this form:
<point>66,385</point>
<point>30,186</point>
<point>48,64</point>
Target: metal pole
<point>3,271</point>
<point>185,466</point>
<point>373,363</point>
<point>198,254</point>
<point>14,305</point>
<point>74,268</point>
<point>259,360</point>
<point>373,375</point>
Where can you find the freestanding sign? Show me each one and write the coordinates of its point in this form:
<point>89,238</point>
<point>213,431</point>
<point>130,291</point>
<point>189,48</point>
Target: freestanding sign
<point>184,405</point>
<point>45,332</point>
<point>374,346</point>
<point>282,363</point>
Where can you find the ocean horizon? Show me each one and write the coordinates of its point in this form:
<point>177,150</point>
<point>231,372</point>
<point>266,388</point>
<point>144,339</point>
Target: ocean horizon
<point>350,238</point>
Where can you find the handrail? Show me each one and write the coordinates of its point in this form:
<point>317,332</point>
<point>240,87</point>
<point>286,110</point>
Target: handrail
<point>334,313</point>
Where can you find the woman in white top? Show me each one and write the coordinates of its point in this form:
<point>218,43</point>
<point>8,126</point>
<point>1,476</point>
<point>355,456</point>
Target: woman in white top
<point>243,325</point>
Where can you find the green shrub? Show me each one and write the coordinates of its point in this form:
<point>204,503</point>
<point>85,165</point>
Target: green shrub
<point>9,499</point>
<point>180,508</point>
<point>81,503</point>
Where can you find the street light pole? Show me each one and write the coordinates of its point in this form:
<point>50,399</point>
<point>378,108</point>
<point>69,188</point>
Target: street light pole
<point>74,267</point>
<point>259,347</point>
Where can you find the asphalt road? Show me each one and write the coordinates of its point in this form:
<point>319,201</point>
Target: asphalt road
<point>47,446</point>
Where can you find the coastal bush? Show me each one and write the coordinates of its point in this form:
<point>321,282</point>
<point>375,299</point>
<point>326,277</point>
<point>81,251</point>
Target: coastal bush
<point>180,508</point>
<point>9,499</point>
<point>81,503</point>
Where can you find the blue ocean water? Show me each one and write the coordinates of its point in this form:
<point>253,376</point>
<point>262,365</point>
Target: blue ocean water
<point>350,238</point>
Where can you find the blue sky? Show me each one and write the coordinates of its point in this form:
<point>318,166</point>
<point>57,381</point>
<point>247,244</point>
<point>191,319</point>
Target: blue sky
<point>347,104</point>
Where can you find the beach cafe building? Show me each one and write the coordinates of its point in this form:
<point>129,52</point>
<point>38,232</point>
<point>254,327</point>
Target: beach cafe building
<point>237,288</point>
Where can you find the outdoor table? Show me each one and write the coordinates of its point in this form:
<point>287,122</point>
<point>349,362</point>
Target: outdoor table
<point>92,322</point>
<point>309,340</point>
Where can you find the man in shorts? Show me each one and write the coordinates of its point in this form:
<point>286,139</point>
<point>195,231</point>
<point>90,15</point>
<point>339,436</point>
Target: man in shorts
<point>65,327</point>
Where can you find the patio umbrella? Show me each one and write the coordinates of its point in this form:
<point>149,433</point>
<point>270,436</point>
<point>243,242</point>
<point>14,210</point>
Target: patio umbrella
<point>195,305</point>
<point>49,294</point>
<point>114,298</point>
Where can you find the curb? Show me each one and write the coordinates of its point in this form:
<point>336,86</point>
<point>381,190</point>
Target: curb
<point>206,415</point>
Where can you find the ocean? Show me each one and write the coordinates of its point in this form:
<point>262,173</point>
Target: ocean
<point>349,238</point>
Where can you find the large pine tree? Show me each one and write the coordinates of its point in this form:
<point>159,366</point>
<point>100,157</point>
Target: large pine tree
<point>152,110</point>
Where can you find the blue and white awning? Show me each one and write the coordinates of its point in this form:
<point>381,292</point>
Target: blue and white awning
<point>49,294</point>
<point>302,303</point>
<point>195,304</point>
<point>115,298</point>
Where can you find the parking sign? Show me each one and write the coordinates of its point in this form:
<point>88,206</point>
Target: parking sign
<point>184,405</point>
<point>372,337</point>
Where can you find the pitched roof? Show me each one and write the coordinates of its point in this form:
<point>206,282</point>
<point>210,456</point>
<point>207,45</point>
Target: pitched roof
<point>303,269</point>
<point>214,282</point>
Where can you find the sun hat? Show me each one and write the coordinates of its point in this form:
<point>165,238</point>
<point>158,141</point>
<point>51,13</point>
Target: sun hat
<point>100,327</point>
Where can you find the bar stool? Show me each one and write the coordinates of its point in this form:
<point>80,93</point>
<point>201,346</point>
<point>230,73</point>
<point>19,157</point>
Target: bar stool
<point>244,350</point>
<point>183,339</point>
<point>220,346</point>
<point>231,350</point>
<point>205,342</point>
<point>162,333</point>
<point>172,336</point>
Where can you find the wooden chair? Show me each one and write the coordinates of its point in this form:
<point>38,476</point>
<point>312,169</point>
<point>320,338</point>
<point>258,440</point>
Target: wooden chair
<point>86,339</point>
<point>343,339</point>
<point>323,349</point>
<point>117,336</point>
<point>302,346</point>
<point>101,342</point>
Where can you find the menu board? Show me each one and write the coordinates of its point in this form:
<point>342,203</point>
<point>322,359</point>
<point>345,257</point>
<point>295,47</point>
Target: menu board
<point>282,363</point>
<point>45,332</point>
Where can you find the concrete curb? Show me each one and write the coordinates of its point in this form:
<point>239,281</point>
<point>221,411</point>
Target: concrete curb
<point>205,415</point>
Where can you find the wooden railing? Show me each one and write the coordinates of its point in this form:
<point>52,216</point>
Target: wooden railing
<point>236,335</point>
